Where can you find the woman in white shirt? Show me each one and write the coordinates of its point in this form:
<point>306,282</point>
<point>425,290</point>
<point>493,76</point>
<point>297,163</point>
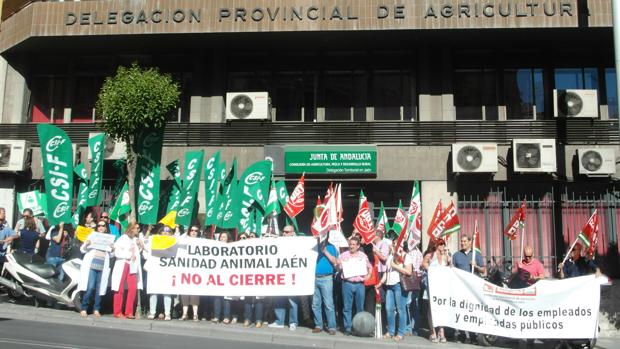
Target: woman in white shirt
<point>94,273</point>
<point>127,270</point>
<point>397,263</point>
<point>166,231</point>
<point>436,254</point>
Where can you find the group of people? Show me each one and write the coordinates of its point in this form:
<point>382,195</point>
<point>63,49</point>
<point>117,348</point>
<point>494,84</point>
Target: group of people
<point>391,274</point>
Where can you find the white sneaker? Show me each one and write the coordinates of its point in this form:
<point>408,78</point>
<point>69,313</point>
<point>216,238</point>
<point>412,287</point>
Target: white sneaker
<point>292,327</point>
<point>274,325</point>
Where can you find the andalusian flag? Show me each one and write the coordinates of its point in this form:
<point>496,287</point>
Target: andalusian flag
<point>273,206</point>
<point>414,215</point>
<point>589,233</point>
<point>121,208</point>
<point>383,225</point>
<point>400,220</point>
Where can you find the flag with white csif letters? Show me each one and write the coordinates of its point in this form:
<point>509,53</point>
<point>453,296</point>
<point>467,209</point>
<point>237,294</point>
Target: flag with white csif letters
<point>147,175</point>
<point>57,156</point>
<point>96,147</point>
<point>191,182</point>
<point>211,181</point>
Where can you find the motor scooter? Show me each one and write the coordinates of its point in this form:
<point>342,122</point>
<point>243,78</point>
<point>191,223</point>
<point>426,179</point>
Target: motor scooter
<point>26,275</point>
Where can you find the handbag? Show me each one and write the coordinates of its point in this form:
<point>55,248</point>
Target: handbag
<point>410,282</point>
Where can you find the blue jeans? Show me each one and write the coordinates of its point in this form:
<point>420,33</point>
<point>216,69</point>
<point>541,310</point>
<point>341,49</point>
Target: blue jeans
<point>280,310</point>
<point>258,309</point>
<point>394,296</point>
<point>352,292</point>
<point>413,309</point>
<point>94,280</point>
<point>57,263</point>
<point>324,295</point>
<point>217,307</point>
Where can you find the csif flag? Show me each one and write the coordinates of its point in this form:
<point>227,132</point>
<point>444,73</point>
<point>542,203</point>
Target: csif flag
<point>191,183</point>
<point>147,175</point>
<point>96,149</point>
<point>295,202</point>
<point>589,233</point>
<point>517,222</point>
<point>57,157</point>
<point>363,220</point>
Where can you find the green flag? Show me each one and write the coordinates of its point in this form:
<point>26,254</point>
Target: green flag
<point>211,180</point>
<point>253,186</point>
<point>33,200</point>
<point>121,208</point>
<point>227,215</point>
<point>82,201</point>
<point>282,193</point>
<point>120,166</point>
<point>96,148</point>
<point>57,156</point>
<point>147,175</point>
<point>174,193</point>
<point>191,182</point>
<point>273,207</point>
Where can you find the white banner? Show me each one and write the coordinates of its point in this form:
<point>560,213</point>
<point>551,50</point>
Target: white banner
<point>282,266</point>
<point>548,309</point>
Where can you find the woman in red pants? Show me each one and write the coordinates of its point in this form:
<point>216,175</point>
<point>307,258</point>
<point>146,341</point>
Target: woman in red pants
<point>127,270</point>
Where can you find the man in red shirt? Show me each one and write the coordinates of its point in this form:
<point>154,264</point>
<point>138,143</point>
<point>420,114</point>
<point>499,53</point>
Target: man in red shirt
<point>532,265</point>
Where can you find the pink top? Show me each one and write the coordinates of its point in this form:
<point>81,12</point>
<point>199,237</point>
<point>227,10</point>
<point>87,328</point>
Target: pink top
<point>535,268</point>
<point>345,256</point>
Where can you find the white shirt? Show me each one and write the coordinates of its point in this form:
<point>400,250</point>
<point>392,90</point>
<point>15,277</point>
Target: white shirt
<point>393,276</point>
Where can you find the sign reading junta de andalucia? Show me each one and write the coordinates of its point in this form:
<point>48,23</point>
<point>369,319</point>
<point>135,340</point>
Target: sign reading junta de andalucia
<point>244,15</point>
<point>328,159</point>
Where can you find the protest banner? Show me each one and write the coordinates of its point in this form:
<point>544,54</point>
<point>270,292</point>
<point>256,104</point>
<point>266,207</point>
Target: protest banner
<point>101,241</point>
<point>33,200</point>
<point>548,309</point>
<point>282,266</point>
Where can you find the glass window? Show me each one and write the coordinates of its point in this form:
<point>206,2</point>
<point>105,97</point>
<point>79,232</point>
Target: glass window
<point>611,88</point>
<point>523,90</point>
<point>475,94</point>
<point>576,78</point>
<point>344,94</point>
<point>293,98</point>
<point>390,93</point>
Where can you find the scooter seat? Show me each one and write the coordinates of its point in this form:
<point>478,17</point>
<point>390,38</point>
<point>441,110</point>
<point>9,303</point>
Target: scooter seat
<point>43,270</point>
<point>35,264</point>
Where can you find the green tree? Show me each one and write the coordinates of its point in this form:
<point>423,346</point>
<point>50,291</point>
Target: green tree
<point>133,100</point>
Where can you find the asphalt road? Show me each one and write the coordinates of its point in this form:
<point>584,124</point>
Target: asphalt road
<point>22,334</point>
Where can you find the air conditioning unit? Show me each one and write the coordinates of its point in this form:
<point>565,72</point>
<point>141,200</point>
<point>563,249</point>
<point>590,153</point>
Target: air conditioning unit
<point>113,150</point>
<point>597,161</point>
<point>247,106</point>
<point>14,155</point>
<point>474,157</point>
<point>534,155</point>
<point>575,103</point>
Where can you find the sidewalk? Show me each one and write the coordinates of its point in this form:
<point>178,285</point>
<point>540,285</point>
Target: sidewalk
<point>235,332</point>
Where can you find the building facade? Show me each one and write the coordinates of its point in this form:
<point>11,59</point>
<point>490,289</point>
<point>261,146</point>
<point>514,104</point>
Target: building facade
<point>406,79</point>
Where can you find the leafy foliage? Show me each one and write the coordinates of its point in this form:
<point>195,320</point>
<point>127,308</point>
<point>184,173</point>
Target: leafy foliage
<point>136,99</point>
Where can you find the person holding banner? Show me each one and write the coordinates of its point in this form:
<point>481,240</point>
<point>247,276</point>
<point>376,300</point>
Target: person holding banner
<point>529,270</point>
<point>280,303</point>
<point>127,270</point>
<point>398,263</point>
<point>193,300</point>
<point>217,301</point>
<point>435,255</point>
<point>94,272</point>
<point>355,269</point>
<point>153,298</point>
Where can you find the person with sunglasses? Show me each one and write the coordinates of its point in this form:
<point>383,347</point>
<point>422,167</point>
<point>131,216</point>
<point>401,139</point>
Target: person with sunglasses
<point>112,228</point>
<point>529,269</point>
<point>153,298</point>
<point>193,300</point>
<point>94,272</point>
<point>435,255</point>
<point>28,215</point>
<point>127,270</point>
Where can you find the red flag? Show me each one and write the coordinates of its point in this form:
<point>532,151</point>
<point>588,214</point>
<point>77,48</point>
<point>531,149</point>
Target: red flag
<point>295,203</point>
<point>447,224</point>
<point>434,220</point>
<point>516,223</point>
<point>363,221</point>
<point>477,247</point>
<point>317,212</point>
<point>589,233</point>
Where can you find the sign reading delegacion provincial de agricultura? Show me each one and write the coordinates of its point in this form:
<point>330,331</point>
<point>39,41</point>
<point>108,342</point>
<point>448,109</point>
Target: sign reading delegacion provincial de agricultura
<point>327,159</point>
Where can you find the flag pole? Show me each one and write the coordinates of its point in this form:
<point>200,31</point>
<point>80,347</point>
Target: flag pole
<point>568,252</point>
<point>522,234</point>
<point>473,246</point>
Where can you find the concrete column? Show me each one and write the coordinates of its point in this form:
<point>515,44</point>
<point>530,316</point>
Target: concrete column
<point>447,95</point>
<point>432,192</point>
<point>15,108</point>
<point>3,70</point>
<point>216,79</point>
<point>435,85</point>
<point>196,102</point>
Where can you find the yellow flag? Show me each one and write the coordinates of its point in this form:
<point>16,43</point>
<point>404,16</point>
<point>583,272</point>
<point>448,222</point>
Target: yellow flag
<point>169,219</point>
<point>82,232</point>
